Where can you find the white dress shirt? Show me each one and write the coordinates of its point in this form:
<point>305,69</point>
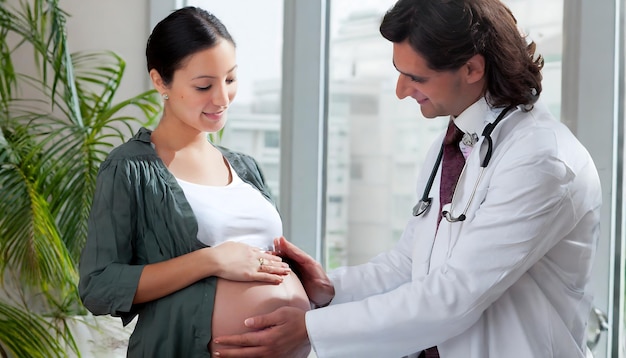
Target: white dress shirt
<point>512,280</point>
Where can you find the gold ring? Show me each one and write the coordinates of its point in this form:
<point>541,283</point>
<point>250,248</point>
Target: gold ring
<point>261,262</point>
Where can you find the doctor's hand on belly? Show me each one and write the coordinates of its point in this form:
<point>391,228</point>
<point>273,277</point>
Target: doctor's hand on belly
<point>239,297</point>
<point>318,286</point>
<point>280,333</point>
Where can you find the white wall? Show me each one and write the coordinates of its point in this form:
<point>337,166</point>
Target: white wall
<point>118,25</point>
<point>115,25</point>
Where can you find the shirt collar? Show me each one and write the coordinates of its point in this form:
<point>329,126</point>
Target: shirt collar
<point>143,135</point>
<point>474,118</point>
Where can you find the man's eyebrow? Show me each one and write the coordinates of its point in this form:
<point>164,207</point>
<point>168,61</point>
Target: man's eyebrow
<point>411,76</point>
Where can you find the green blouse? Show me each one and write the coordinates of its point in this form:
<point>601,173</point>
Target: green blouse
<point>140,216</point>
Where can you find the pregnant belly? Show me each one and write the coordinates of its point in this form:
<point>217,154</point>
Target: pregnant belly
<point>235,301</point>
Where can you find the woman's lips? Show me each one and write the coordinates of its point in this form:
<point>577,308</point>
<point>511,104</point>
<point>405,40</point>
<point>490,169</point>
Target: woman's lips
<point>214,116</point>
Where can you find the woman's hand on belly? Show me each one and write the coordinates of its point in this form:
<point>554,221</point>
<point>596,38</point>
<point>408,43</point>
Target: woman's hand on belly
<point>236,261</point>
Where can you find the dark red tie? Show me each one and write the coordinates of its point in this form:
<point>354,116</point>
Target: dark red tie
<point>453,162</point>
<point>430,353</point>
<point>451,167</point>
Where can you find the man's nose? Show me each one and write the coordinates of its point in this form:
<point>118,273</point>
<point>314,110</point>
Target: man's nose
<point>402,88</point>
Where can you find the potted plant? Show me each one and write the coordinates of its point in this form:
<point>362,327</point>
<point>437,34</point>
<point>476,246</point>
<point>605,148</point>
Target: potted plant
<point>57,124</point>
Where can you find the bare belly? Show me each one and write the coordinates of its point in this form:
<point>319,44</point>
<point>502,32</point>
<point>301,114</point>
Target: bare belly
<point>235,301</point>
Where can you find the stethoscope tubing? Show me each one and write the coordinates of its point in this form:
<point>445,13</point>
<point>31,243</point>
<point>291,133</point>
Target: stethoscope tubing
<point>426,201</point>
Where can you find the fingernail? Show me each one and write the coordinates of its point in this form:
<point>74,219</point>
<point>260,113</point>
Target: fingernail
<point>248,322</point>
<point>217,354</point>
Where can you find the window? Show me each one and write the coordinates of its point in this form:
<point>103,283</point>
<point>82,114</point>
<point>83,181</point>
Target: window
<point>272,139</point>
<point>356,171</point>
<point>254,116</point>
<point>388,138</point>
<point>383,165</point>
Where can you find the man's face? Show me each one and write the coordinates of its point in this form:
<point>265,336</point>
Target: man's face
<point>439,93</point>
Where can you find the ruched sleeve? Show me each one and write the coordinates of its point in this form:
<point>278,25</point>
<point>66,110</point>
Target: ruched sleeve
<point>108,276</point>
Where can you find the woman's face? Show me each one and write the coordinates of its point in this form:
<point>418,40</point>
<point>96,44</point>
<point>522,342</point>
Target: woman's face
<point>202,89</point>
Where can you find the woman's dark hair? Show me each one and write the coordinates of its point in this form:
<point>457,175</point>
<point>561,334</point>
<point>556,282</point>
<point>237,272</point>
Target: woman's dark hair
<point>447,33</point>
<point>181,34</point>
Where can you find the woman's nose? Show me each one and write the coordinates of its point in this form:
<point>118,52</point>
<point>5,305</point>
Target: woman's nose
<point>220,96</point>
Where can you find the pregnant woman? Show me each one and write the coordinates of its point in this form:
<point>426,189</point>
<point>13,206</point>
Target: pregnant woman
<point>180,232</point>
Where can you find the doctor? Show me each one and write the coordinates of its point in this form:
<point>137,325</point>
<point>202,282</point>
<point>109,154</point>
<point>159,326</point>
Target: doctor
<point>499,268</point>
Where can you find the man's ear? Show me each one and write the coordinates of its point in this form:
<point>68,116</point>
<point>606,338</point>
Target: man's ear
<point>475,69</point>
<point>157,81</point>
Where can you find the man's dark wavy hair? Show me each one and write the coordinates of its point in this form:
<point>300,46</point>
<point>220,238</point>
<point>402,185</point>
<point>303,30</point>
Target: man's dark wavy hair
<point>447,33</point>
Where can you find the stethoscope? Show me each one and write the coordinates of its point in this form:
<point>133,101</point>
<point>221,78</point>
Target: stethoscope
<point>424,204</point>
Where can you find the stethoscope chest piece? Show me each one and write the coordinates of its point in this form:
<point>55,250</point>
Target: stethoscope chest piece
<point>422,206</point>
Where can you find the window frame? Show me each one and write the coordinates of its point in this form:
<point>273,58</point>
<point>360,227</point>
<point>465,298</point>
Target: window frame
<point>594,28</point>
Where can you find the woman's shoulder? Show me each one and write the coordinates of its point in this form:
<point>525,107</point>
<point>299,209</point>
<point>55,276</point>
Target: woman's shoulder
<point>137,146</point>
<point>136,151</point>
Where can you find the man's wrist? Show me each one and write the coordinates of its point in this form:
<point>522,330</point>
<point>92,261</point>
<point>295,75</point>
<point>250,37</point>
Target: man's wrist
<point>323,304</point>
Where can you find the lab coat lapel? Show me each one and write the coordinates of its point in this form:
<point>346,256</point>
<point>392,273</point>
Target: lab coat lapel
<point>448,233</point>
<point>424,240</point>
<point>426,226</point>
<point>434,245</point>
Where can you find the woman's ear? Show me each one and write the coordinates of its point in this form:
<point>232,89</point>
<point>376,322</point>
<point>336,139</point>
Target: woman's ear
<point>157,81</point>
<point>475,69</point>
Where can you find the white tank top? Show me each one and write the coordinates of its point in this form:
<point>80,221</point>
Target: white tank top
<point>235,212</point>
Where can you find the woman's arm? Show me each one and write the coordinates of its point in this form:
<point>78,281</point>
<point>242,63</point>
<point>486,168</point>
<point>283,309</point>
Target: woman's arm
<point>230,260</point>
<point>111,279</point>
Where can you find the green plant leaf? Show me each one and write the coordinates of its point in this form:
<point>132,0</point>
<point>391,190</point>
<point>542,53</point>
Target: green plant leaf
<point>25,334</point>
<point>51,146</point>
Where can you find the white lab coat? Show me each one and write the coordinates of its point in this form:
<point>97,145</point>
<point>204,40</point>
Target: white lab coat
<point>510,281</point>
